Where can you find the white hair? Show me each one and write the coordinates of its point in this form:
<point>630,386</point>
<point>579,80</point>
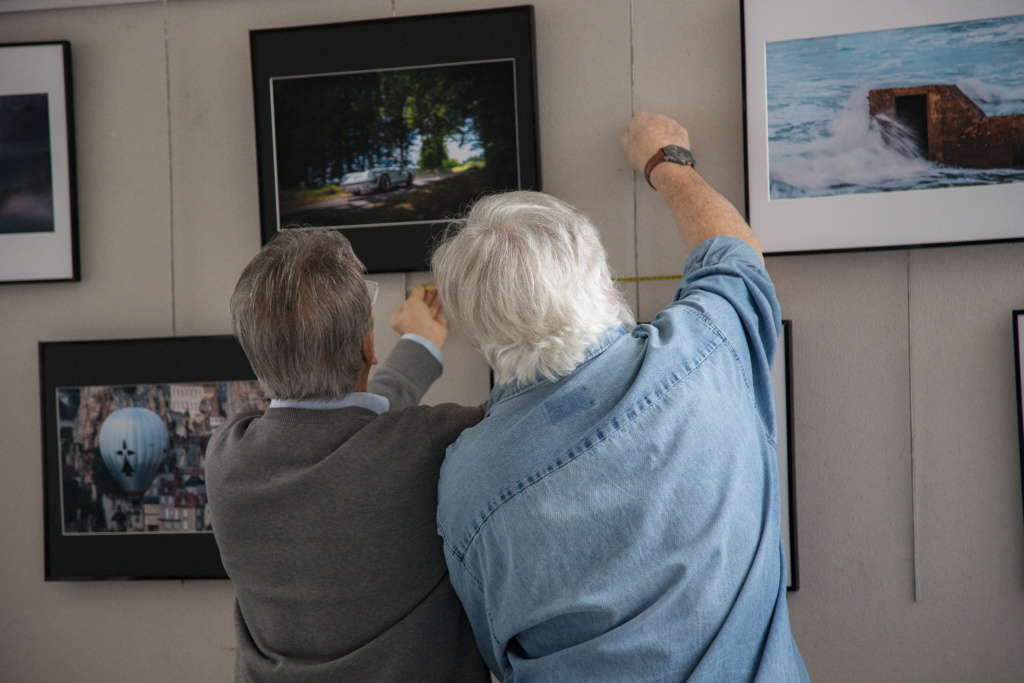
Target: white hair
<point>525,276</point>
<point>301,311</point>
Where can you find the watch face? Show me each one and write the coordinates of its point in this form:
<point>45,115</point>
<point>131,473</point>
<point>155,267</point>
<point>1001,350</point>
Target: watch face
<point>677,154</point>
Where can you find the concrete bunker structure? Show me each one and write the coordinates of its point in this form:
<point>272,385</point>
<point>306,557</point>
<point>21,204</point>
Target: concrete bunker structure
<point>950,128</point>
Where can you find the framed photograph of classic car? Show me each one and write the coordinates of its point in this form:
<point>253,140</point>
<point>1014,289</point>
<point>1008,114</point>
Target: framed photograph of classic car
<point>782,385</point>
<point>386,129</point>
<point>38,209</point>
<point>882,125</point>
<point>1018,354</point>
<point>125,429</point>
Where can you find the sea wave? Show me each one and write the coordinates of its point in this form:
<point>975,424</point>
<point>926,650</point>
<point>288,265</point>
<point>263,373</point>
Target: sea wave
<point>982,31</point>
<point>1000,99</point>
<point>859,151</point>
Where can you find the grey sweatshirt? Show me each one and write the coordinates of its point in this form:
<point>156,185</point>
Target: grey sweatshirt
<point>326,523</point>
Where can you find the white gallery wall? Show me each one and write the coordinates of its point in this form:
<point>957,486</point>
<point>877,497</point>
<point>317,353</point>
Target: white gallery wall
<point>908,477</point>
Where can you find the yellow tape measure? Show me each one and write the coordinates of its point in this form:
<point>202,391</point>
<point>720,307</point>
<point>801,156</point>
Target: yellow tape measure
<point>651,278</point>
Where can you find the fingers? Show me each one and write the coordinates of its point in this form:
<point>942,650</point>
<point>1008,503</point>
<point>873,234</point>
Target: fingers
<point>434,302</point>
<point>417,292</point>
<point>647,133</point>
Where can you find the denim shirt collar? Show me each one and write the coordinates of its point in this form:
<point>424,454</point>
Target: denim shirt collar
<point>607,338</point>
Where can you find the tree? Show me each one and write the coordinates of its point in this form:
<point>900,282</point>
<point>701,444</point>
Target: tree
<point>434,152</point>
<point>326,126</point>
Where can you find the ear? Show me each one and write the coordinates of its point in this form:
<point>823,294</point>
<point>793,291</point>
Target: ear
<point>368,351</point>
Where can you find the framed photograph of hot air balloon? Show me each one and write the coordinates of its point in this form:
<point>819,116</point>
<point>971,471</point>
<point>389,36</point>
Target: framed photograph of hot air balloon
<point>387,129</point>
<point>38,200</point>
<point>879,125</point>
<point>125,428</point>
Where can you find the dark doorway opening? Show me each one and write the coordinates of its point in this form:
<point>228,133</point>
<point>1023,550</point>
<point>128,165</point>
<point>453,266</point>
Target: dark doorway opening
<point>1018,156</point>
<point>912,112</point>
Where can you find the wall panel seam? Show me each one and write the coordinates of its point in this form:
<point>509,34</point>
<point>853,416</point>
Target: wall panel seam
<point>910,416</point>
<point>170,168</point>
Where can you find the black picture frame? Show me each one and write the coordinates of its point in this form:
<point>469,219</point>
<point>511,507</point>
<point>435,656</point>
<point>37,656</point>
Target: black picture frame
<point>116,363</point>
<point>321,57</point>
<point>858,124</point>
<point>38,191</point>
<point>1018,353</point>
<point>782,385</point>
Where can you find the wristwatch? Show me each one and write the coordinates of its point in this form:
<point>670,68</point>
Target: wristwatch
<point>671,153</point>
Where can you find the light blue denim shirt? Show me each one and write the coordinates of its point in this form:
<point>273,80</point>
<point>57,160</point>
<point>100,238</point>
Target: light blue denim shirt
<point>622,523</point>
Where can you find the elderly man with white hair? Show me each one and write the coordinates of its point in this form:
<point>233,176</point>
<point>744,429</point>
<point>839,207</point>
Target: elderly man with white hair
<point>615,516</point>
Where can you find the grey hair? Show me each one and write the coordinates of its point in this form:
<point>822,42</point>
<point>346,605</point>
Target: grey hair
<point>301,311</point>
<point>525,276</point>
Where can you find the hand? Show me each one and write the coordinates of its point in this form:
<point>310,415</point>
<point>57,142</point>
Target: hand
<point>422,314</point>
<point>647,134</point>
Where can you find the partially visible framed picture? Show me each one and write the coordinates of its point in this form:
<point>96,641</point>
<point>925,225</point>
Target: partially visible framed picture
<point>1018,354</point>
<point>125,429</point>
<point>386,129</point>
<point>782,384</point>
<point>38,205</point>
<point>876,124</point>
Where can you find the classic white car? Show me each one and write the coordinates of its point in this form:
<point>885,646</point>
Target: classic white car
<point>380,178</point>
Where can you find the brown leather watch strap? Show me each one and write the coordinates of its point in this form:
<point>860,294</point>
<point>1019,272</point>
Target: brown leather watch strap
<point>659,157</point>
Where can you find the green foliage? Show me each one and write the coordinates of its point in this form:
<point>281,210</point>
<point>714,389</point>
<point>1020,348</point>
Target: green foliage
<point>434,153</point>
<point>471,163</point>
<point>331,125</point>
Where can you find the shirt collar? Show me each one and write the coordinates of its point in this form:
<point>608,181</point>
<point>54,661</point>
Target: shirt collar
<point>358,399</point>
<point>607,338</point>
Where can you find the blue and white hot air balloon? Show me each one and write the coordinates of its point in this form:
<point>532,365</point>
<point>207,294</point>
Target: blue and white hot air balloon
<point>133,443</point>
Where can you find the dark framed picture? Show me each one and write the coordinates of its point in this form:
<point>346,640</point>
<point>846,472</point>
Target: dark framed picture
<point>38,205</point>
<point>386,129</point>
<point>1018,353</point>
<point>125,429</point>
<point>881,125</point>
<point>782,384</point>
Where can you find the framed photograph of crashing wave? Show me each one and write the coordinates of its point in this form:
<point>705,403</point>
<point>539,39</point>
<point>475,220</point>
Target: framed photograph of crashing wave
<point>125,428</point>
<point>385,129</point>
<point>38,202</point>
<point>880,125</point>
<point>782,386</point>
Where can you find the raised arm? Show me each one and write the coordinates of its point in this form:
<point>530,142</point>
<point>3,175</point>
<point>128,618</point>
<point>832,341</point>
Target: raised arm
<point>411,368</point>
<point>422,314</point>
<point>699,210</point>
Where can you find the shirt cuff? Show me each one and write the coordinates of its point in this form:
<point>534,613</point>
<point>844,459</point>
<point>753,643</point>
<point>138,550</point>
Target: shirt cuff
<point>427,344</point>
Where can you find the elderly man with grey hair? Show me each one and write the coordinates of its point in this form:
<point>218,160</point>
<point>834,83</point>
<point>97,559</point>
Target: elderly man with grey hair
<point>324,504</point>
<point>615,516</point>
